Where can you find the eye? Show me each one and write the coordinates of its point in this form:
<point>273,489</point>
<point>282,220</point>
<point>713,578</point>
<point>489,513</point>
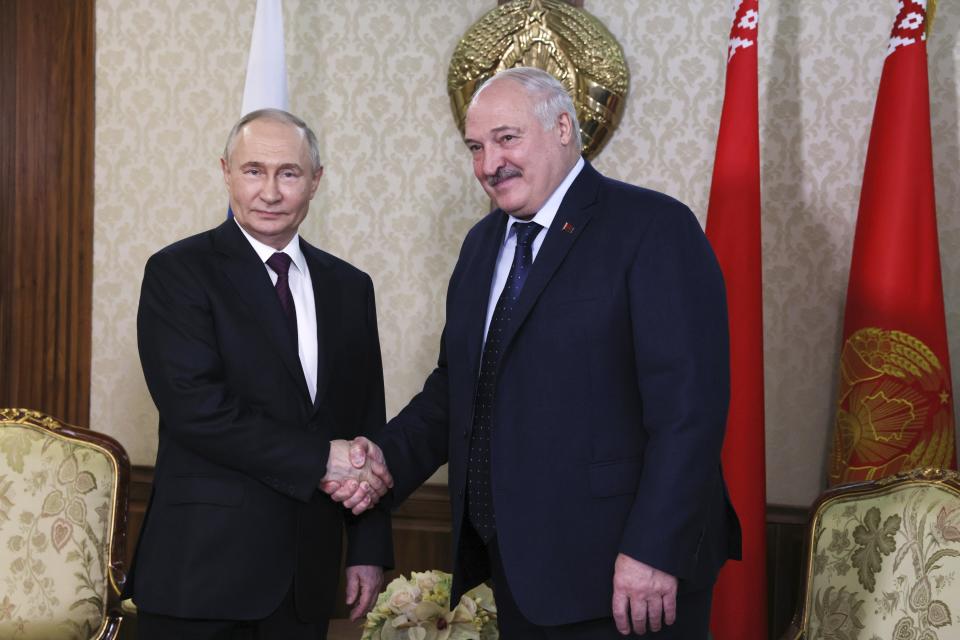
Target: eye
<point>251,171</point>
<point>473,147</point>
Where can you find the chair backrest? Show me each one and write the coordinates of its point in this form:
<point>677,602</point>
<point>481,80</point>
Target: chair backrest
<point>883,560</point>
<point>63,506</point>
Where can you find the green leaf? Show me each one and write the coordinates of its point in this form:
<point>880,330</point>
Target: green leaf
<point>53,503</point>
<point>67,472</point>
<point>92,600</point>
<point>15,444</point>
<point>940,554</point>
<point>85,482</point>
<point>6,504</point>
<point>77,511</point>
<point>874,541</point>
<point>938,614</point>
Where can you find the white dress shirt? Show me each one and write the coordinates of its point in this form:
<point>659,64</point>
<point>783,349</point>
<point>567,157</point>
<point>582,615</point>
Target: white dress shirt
<point>301,288</point>
<point>544,218</point>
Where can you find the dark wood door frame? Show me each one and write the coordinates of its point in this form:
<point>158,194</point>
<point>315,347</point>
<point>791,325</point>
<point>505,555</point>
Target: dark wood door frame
<point>46,205</point>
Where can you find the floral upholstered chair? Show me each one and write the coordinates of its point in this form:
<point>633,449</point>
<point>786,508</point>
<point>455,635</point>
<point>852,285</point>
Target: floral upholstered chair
<point>63,511</point>
<point>883,561</point>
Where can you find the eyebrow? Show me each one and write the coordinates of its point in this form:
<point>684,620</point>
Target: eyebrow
<point>500,129</point>
<point>287,165</point>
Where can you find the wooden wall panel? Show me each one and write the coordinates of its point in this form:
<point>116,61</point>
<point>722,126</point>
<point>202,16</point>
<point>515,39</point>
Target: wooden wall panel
<point>46,219</point>
<point>8,75</point>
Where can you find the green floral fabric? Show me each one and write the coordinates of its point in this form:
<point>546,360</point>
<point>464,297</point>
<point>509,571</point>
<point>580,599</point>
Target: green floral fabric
<point>55,520</point>
<point>887,566</point>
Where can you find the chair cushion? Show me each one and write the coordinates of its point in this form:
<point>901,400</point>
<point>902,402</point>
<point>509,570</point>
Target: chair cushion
<point>55,526</point>
<point>886,565</point>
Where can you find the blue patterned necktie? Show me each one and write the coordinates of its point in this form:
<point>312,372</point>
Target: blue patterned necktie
<point>480,497</point>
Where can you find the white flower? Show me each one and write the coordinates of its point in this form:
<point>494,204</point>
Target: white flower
<point>417,609</point>
<point>403,598</point>
<point>426,581</point>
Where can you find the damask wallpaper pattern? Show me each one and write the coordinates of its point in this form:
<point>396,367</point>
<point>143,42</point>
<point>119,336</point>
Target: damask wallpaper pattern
<point>398,194</point>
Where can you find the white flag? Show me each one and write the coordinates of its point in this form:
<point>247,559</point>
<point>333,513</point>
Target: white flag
<point>266,85</point>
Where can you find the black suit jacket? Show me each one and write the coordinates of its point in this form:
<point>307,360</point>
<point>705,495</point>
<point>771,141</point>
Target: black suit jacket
<point>235,512</point>
<point>610,406</point>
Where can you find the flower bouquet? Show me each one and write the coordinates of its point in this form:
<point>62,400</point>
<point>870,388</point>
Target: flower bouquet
<point>418,608</point>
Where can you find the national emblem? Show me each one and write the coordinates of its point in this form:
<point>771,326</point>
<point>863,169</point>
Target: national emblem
<point>564,41</point>
<point>894,410</point>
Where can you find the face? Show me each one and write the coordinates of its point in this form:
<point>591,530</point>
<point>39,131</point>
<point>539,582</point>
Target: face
<point>271,180</point>
<point>518,162</point>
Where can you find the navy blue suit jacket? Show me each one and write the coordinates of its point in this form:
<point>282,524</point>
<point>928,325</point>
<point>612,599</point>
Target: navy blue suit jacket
<point>610,406</point>
<point>235,512</point>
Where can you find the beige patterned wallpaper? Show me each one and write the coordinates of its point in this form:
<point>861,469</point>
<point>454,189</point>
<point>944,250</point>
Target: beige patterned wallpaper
<point>398,194</point>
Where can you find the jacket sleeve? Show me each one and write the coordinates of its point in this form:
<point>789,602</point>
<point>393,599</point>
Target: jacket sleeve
<point>369,535</point>
<point>415,443</point>
<point>680,335</point>
<point>184,371</point>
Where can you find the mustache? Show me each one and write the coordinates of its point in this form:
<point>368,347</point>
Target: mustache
<point>502,174</point>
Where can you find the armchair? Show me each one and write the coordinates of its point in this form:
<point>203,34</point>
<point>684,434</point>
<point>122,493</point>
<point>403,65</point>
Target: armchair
<point>63,508</point>
<point>883,561</point>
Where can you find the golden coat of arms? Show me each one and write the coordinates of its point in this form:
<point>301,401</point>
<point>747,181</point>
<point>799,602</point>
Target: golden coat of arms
<point>894,408</point>
<point>551,35</point>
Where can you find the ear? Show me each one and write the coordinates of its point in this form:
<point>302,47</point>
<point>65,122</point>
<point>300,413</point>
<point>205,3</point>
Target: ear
<point>226,172</point>
<point>565,128</point>
<point>315,181</point>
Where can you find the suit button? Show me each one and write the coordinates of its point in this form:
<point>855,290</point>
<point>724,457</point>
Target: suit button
<point>466,434</point>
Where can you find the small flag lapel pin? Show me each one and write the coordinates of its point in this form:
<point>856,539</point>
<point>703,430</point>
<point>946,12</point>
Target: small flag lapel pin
<point>567,227</point>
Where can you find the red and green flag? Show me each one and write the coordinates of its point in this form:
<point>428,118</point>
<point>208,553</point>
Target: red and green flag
<point>895,403</point>
<point>733,228</point>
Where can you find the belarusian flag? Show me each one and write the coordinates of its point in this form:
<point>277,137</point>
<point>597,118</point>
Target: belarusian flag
<point>733,228</point>
<point>895,408</point>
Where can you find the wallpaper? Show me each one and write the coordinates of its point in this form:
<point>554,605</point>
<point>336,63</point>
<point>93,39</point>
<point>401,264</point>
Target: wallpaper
<point>398,194</point>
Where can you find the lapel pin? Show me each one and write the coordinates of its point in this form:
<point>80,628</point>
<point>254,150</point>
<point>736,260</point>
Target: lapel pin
<point>567,227</point>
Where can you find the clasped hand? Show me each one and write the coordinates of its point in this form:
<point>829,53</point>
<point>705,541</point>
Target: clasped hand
<point>357,474</point>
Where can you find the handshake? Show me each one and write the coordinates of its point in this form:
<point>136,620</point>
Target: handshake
<point>357,474</point>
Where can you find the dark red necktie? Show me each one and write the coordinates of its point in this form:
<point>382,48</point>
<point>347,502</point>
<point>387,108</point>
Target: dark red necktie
<point>280,263</point>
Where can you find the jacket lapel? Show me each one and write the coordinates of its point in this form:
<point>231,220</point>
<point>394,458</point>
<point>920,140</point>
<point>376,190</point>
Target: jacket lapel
<point>326,298</point>
<point>478,279</point>
<point>244,269</point>
<point>571,219</point>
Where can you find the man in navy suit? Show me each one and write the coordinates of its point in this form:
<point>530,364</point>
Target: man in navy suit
<point>581,390</point>
<point>262,356</point>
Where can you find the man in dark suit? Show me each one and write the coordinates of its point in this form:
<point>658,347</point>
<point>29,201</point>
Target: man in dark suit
<point>581,390</point>
<point>262,356</point>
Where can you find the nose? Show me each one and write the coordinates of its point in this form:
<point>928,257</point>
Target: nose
<point>490,161</point>
<point>270,193</point>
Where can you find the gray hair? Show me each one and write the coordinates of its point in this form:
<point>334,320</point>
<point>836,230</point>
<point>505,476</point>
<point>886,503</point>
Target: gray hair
<point>553,98</point>
<point>277,115</point>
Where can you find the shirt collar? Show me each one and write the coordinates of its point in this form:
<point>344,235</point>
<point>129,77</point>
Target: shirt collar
<point>548,211</point>
<point>265,251</point>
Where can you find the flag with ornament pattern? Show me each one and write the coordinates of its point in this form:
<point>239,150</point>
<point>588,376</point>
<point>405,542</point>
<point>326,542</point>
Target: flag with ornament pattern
<point>733,228</point>
<point>895,403</point>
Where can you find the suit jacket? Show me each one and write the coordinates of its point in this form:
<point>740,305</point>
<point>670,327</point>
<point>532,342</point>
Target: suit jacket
<point>235,511</point>
<point>610,405</point>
